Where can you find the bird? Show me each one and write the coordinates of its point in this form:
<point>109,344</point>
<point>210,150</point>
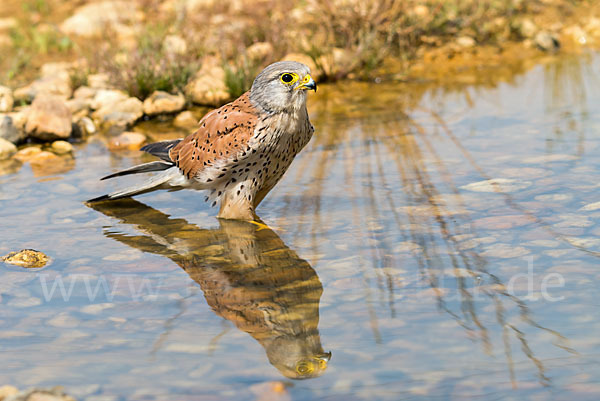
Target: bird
<point>240,150</point>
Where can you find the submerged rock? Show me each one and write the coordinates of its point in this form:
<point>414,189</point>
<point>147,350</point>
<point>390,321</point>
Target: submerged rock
<point>49,119</point>
<point>37,394</point>
<point>497,185</point>
<point>7,149</point>
<point>127,141</point>
<point>6,99</point>
<point>161,102</point>
<point>28,258</point>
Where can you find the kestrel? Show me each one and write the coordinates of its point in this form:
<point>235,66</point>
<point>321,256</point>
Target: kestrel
<point>240,150</point>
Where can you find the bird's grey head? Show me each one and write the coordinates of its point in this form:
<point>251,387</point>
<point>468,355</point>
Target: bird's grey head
<point>282,86</point>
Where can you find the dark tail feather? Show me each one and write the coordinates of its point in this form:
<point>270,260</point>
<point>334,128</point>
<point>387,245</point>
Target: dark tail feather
<point>158,181</point>
<point>161,149</point>
<point>141,168</point>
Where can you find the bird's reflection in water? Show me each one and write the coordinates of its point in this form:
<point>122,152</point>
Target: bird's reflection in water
<point>248,276</point>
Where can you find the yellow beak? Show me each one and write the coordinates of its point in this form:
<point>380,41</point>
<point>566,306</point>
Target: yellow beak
<point>307,83</point>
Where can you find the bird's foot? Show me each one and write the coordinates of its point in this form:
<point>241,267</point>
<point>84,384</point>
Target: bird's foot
<point>260,225</point>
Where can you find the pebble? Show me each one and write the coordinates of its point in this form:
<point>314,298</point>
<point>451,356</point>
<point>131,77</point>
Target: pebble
<point>497,185</point>
<point>7,391</point>
<point>64,320</point>
<point>127,141</point>
<point>95,309</point>
<point>554,198</point>
<point>550,159</point>
<point>61,147</point>
<point>502,222</point>
<point>591,206</point>
<point>505,251</point>
<point>27,153</point>
<point>7,149</point>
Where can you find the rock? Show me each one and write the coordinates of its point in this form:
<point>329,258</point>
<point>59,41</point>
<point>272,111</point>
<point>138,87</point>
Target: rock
<point>61,147</point>
<point>465,42</point>
<point>84,93</point>
<point>185,119</point>
<point>575,34</point>
<point>49,119</point>
<point>106,97</point>
<point>127,141</point>
<point>54,80</point>
<point>497,185</point>
<point>174,44</point>
<point>591,206</point>
<point>27,153</point>
<point>505,251</point>
<point>260,51</point>
<point>79,107</point>
<point>47,163</point>
<point>94,19</point>
<point>6,99</point>
<point>7,149</point>
<point>120,115</point>
<point>9,131</point>
<point>163,103</point>
<point>525,28</point>
<point>546,41</point>
<point>28,258</point>
<point>54,394</point>
<point>208,86</point>
<point>86,126</point>
<point>7,391</point>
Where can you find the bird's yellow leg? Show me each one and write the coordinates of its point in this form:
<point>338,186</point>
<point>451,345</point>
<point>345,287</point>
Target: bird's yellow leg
<point>259,224</point>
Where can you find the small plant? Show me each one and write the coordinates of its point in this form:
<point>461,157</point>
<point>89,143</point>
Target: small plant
<point>150,68</point>
<point>239,78</point>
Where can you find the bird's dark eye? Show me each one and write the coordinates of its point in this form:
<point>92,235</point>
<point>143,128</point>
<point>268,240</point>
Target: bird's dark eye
<point>287,78</point>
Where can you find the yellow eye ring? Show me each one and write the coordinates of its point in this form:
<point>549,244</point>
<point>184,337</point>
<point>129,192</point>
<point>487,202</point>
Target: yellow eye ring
<point>289,78</point>
<point>305,367</point>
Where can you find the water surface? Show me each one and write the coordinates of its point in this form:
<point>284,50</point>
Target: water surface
<point>390,271</point>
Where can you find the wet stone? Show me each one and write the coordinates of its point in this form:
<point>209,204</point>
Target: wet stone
<point>497,185</point>
<point>127,141</point>
<point>7,149</point>
<point>505,251</point>
<point>61,147</point>
<point>28,258</point>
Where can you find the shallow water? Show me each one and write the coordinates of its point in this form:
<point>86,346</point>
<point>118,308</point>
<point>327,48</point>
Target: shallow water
<point>383,251</point>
